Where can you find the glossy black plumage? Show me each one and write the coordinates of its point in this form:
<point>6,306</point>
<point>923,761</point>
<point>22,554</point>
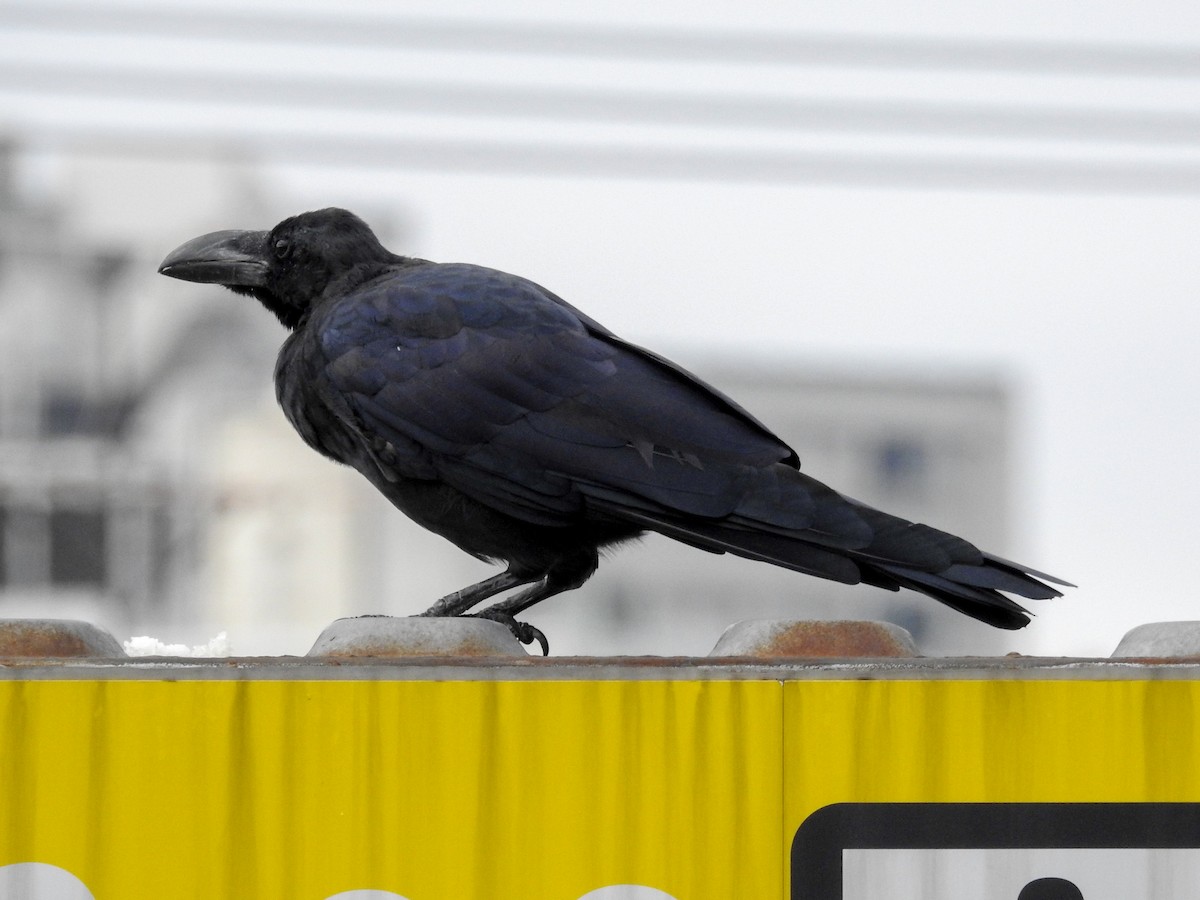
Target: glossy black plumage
<point>499,416</point>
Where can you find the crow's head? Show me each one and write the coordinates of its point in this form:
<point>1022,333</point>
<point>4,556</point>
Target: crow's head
<point>290,268</point>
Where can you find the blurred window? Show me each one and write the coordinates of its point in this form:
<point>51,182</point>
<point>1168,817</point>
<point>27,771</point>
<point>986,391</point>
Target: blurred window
<point>902,465</point>
<point>88,543</point>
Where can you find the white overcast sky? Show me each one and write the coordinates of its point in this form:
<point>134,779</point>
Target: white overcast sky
<point>1085,300</point>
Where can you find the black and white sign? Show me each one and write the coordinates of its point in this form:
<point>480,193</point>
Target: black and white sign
<point>998,851</point>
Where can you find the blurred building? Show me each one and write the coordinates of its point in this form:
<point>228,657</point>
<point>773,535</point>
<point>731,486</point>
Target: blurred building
<point>105,491</point>
<point>149,483</point>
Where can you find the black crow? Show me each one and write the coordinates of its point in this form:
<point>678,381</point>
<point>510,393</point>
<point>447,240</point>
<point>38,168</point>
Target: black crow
<point>497,415</point>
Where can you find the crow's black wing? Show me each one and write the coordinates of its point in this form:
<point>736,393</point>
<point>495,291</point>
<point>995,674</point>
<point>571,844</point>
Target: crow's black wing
<point>488,382</point>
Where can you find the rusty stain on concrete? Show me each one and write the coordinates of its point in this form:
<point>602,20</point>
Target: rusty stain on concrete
<point>768,639</point>
<point>56,638</point>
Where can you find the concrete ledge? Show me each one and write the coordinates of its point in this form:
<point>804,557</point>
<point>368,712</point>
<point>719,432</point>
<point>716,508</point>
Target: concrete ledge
<point>56,638</point>
<point>1160,640</point>
<point>388,636</point>
<point>380,647</point>
<point>772,638</point>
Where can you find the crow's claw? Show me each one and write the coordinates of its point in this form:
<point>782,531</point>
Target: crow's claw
<point>522,631</point>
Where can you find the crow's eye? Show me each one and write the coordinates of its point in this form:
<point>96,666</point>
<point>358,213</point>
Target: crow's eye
<point>283,249</point>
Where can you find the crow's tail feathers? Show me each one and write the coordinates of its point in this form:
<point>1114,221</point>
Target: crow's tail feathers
<point>974,589</point>
<point>799,523</point>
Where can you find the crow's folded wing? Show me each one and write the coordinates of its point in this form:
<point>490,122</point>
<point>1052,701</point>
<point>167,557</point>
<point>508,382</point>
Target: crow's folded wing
<point>498,388</point>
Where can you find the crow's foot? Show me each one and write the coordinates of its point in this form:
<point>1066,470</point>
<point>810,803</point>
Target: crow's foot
<point>522,631</point>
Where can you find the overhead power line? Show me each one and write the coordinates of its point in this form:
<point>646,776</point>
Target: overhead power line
<point>296,90</point>
<point>657,44</point>
<point>926,171</point>
<point>600,105</point>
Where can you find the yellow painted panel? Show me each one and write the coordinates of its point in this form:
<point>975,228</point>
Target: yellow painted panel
<point>993,741</point>
<point>431,790</point>
<point>540,789</point>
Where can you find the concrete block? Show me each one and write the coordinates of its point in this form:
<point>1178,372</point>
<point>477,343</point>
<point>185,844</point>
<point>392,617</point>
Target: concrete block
<point>1161,640</point>
<point>389,636</point>
<point>56,638</point>
<point>767,638</point>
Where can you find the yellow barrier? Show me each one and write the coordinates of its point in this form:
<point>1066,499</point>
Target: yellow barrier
<point>538,786</point>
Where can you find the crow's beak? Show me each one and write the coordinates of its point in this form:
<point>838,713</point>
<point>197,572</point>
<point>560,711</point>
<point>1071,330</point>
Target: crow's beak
<point>231,258</point>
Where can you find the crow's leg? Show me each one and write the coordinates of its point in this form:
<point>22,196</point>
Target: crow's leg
<point>522,631</point>
<point>566,574</point>
<point>460,601</point>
